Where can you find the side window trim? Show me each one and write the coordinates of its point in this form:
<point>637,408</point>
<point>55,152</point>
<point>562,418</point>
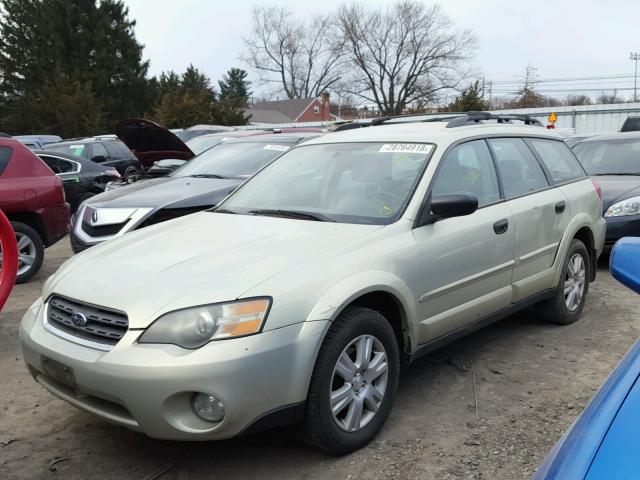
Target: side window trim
<point>546,171</point>
<point>495,166</point>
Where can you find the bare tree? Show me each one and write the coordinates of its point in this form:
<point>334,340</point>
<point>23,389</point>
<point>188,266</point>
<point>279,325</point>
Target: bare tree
<point>606,98</point>
<point>405,53</point>
<point>573,100</point>
<point>299,58</point>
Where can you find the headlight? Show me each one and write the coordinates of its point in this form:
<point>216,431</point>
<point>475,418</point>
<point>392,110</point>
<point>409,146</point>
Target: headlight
<point>629,206</point>
<point>195,327</point>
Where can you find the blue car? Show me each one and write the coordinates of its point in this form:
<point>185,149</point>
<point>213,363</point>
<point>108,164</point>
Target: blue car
<point>604,442</point>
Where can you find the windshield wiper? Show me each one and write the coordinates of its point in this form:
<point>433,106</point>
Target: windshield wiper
<point>208,175</point>
<point>292,214</point>
<point>224,210</point>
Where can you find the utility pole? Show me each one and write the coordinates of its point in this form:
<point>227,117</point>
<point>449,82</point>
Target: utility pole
<point>635,57</point>
<point>490,95</point>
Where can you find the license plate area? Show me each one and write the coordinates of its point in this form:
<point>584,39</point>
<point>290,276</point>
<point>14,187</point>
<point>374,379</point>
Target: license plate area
<point>58,372</point>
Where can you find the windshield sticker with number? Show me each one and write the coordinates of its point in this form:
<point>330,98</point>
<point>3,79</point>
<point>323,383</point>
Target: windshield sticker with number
<point>405,148</point>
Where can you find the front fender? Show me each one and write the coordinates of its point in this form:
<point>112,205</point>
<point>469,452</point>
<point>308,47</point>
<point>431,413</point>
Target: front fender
<point>344,292</point>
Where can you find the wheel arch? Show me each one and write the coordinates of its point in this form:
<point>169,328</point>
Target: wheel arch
<point>579,228</point>
<point>31,219</point>
<point>381,291</point>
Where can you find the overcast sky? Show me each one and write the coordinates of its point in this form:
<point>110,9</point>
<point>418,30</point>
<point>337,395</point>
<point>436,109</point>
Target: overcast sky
<point>562,38</point>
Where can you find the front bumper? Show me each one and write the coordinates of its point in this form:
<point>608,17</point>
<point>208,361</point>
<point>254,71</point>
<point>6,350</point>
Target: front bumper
<point>618,227</point>
<point>148,388</point>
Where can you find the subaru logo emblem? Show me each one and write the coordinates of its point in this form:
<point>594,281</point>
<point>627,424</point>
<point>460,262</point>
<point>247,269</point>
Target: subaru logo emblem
<point>94,216</point>
<point>78,319</point>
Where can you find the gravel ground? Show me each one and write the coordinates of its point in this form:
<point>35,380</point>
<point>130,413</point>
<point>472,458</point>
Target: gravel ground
<point>531,380</point>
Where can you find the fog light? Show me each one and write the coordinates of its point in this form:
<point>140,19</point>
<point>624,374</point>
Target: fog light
<point>208,407</point>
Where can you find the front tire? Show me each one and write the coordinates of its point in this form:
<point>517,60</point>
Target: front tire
<point>568,301</point>
<point>354,382</point>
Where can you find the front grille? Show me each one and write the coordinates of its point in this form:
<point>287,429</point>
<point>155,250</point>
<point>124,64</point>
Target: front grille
<point>169,214</point>
<point>103,230</point>
<point>92,323</point>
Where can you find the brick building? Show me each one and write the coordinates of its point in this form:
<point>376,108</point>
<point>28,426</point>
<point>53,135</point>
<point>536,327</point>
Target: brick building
<point>292,110</point>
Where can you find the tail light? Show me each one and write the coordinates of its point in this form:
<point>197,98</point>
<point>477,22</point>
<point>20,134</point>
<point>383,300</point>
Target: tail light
<point>596,185</point>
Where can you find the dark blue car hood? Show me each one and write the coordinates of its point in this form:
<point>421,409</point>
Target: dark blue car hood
<point>173,192</point>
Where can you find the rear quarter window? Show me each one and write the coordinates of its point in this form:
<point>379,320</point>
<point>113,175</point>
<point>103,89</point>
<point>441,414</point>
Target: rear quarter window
<point>5,156</point>
<point>559,161</point>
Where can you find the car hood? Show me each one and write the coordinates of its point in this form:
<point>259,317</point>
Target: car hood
<point>150,142</point>
<point>617,187</point>
<point>202,258</point>
<point>163,191</point>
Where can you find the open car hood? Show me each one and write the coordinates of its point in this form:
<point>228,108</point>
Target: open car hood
<point>150,142</point>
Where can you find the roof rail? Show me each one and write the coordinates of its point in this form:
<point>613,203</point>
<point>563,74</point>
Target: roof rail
<point>472,118</point>
<point>453,119</point>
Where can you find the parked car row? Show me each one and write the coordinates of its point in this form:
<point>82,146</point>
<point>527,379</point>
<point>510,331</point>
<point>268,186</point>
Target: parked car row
<point>343,259</point>
<point>199,184</point>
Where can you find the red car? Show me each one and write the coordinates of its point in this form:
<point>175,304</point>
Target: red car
<point>31,195</point>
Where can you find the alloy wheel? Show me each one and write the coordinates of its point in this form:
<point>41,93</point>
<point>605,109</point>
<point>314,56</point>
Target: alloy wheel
<point>359,383</point>
<point>26,253</point>
<point>574,282</point>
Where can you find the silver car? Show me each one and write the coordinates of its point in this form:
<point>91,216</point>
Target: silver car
<point>300,298</point>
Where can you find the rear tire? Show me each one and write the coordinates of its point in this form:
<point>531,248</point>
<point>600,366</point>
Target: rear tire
<point>30,251</point>
<point>568,301</point>
<point>354,382</point>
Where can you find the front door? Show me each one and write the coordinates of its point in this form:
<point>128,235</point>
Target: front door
<point>464,264</point>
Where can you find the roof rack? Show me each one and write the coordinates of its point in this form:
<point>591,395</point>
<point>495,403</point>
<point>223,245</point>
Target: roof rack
<point>453,120</point>
<point>472,118</point>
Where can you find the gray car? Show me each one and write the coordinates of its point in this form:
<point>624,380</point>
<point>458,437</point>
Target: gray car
<point>301,296</point>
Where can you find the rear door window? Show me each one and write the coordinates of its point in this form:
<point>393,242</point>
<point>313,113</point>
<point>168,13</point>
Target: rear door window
<point>117,150</point>
<point>519,170</point>
<point>99,151</point>
<point>59,165</point>
<point>561,164</point>
<point>5,156</point>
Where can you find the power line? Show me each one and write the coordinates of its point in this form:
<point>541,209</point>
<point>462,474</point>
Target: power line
<point>570,79</point>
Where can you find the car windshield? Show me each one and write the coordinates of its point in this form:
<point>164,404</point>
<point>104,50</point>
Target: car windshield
<point>368,183</point>
<point>204,142</point>
<point>230,160</point>
<point>75,149</point>
<point>614,157</point>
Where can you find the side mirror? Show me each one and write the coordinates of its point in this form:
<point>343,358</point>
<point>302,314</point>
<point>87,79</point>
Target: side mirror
<point>453,205</point>
<point>625,262</point>
<point>99,159</point>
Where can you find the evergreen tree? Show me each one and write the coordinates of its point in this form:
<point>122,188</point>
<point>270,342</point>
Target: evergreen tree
<point>469,100</point>
<point>185,100</point>
<point>234,97</point>
<point>86,43</point>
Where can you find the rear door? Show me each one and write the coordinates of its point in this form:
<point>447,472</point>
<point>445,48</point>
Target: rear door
<point>464,264</point>
<point>539,212</point>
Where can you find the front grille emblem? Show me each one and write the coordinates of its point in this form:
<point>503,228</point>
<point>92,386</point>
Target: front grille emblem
<point>78,319</point>
<point>94,217</point>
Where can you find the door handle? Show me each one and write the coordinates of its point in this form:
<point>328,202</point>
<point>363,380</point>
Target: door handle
<point>560,207</point>
<point>501,226</point>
